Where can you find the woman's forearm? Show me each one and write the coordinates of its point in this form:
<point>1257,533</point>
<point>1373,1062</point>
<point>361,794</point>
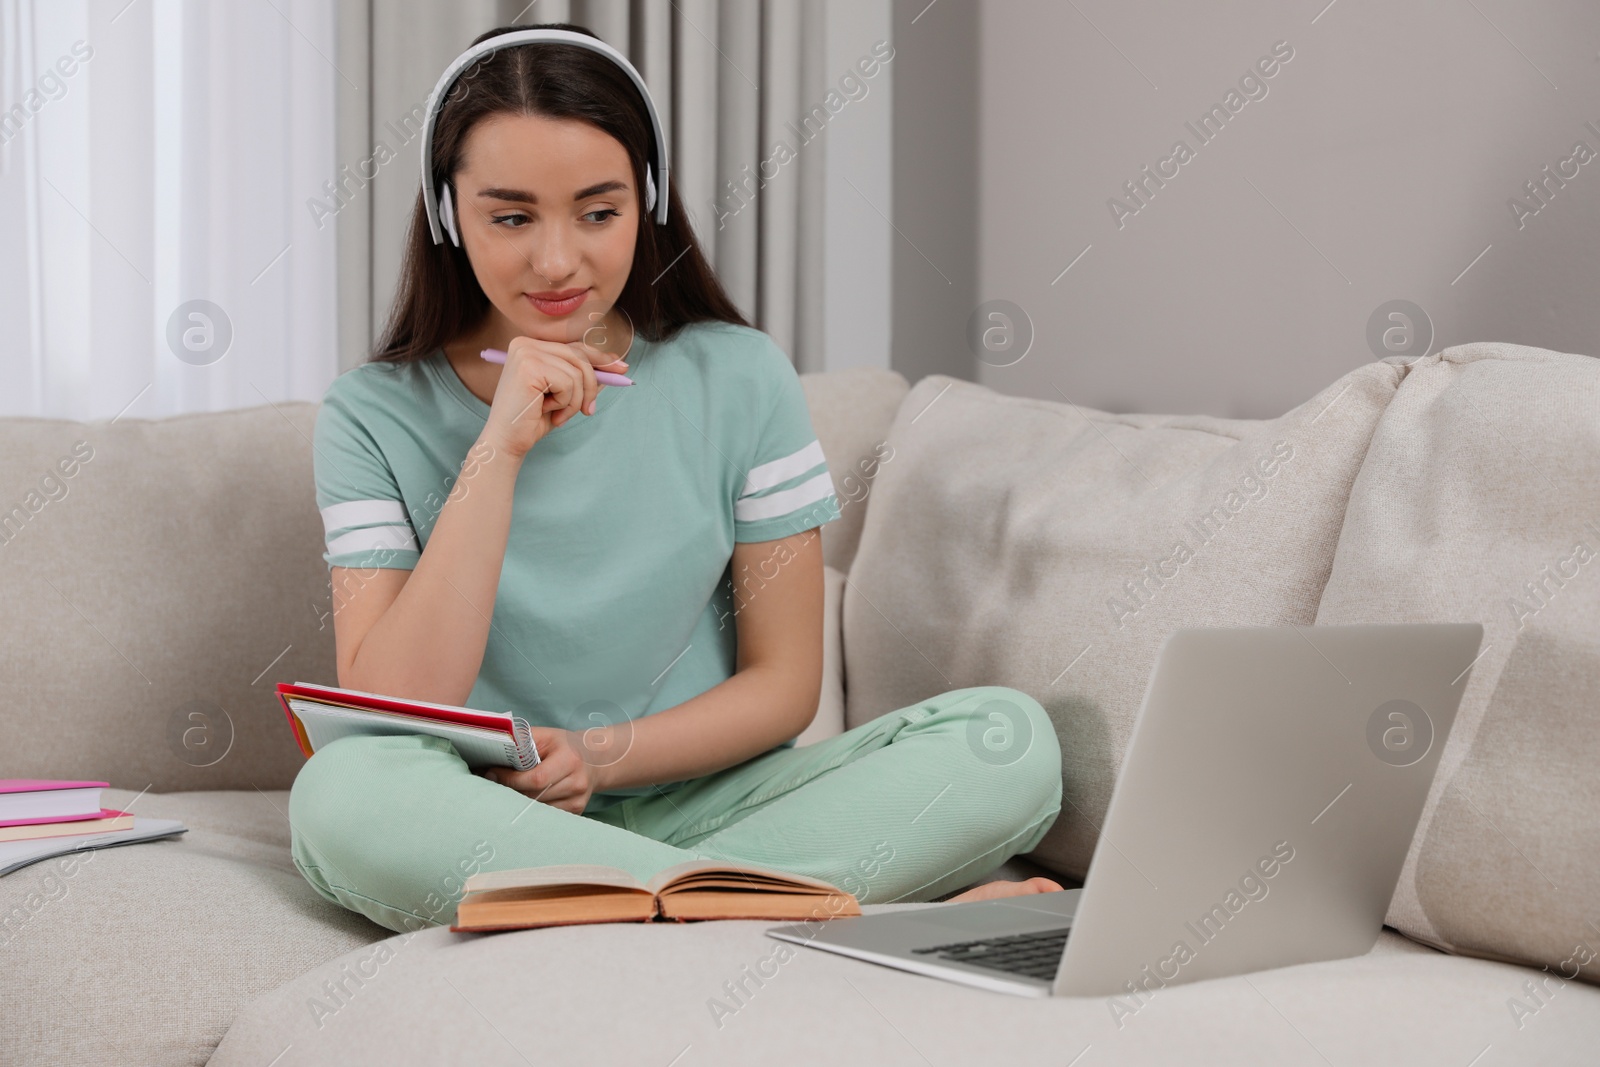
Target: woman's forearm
<point>429,644</point>
<point>759,707</point>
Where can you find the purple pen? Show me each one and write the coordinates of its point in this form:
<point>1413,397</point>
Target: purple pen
<point>604,377</point>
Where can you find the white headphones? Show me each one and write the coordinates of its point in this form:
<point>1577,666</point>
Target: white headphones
<point>441,211</point>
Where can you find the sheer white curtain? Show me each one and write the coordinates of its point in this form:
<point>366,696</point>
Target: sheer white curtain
<point>158,248</point>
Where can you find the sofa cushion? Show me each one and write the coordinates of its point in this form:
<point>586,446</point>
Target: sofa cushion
<point>724,993</point>
<point>143,953</point>
<point>1052,548</point>
<point>851,411</point>
<point>156,593</point>
<point>1480,501</point>
<point>830,707</point>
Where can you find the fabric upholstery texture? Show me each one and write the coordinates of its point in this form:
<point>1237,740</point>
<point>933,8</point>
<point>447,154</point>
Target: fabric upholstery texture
<point>150,600</point>
<point>1480,500</point>
<point>161,590</point>
<point>150,590</point>
<point>724,993</point>
<point>143,953</point>
<point>851,411</point>
<point>1008,542</point>
<point>1051,548</point>
<point>830,708</point>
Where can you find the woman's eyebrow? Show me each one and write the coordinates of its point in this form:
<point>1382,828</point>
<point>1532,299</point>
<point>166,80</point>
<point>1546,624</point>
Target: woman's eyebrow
<point>518,196</point>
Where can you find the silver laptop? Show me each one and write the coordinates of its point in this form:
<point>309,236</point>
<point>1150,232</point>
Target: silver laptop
<point>1272,784</point>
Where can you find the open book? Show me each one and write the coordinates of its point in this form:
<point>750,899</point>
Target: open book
<point>698,889</point>
<point>322,714</point>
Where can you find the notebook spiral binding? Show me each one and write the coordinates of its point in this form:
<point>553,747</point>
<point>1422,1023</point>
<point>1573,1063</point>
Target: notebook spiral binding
<point>522,751</point>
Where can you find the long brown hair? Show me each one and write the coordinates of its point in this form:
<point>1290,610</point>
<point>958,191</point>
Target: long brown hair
<point>438,298</point>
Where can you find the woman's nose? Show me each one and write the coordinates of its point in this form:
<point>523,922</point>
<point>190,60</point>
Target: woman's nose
<point>554,254</point>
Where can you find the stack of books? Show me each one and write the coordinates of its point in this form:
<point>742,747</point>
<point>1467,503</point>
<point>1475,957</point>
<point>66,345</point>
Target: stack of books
<point>42,817</point>
<point>37,807</point>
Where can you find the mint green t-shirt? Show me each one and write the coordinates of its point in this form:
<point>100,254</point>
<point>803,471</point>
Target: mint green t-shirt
<point>616,592</point>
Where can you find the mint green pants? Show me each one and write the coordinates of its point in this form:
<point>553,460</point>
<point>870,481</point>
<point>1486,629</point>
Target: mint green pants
<point>906,807</point>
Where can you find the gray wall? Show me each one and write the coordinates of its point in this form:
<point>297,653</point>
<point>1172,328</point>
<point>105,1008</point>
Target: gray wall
<point>1378,166</point>
<point>934,261</point>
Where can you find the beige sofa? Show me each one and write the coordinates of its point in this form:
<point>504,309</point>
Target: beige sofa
<point>156,592</point>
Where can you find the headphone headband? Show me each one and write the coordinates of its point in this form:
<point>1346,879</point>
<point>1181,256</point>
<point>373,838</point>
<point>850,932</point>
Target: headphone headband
<point>430,199</point>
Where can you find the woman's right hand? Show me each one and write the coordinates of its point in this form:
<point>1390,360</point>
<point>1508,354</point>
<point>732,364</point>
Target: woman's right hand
<point>563,778</point>
<point>543,384</point>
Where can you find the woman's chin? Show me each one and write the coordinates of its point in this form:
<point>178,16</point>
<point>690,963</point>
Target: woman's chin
<point>589,323</point>
<point>556,331</point>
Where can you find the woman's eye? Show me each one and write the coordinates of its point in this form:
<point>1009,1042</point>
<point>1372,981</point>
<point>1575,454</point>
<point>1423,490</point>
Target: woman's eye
<point>516,221</point>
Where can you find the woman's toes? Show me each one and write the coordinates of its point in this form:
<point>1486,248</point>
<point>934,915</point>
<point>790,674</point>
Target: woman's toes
<point>997,890</point>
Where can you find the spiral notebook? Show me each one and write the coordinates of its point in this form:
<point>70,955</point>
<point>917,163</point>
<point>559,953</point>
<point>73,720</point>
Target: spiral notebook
<point>322,714</point>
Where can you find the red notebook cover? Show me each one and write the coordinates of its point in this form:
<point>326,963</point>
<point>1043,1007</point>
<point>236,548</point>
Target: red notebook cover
<point>352,698</point>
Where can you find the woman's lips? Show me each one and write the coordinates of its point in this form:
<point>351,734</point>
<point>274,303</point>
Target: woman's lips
<point>558,308</point>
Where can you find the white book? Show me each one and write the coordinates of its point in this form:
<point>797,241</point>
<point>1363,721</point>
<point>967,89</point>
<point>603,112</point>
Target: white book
<point>27,799</point>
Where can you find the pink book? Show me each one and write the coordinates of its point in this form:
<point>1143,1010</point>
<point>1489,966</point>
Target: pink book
<point>36,800</point>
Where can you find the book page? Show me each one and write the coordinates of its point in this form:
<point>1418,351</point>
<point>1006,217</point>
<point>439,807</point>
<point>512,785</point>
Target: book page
<point>326,723</point>
<point>749,875</point>
<point>562,874</point>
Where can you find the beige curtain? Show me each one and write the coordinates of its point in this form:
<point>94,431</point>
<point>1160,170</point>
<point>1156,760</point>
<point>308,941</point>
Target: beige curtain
<point>728,77</point>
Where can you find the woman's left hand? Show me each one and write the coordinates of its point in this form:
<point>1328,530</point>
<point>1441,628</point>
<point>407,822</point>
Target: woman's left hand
<point>563,779</point>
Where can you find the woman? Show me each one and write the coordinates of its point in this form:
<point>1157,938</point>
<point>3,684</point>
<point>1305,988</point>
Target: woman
<point>520,536</point>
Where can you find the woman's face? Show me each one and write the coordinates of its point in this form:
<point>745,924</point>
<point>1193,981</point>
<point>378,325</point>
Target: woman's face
<point>547,208</point>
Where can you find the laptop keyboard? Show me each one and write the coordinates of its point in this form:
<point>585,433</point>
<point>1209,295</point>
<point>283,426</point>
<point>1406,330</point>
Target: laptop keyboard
<point>1036,955</point>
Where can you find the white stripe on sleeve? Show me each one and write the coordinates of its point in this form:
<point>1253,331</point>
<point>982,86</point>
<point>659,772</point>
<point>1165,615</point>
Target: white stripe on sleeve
<point>362,513</point>
<point>754,509</point>
<point>373,537</point>
<point>781,470</point>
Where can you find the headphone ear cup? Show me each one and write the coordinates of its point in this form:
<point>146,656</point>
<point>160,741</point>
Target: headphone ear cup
<point>447,216</point>
<point>649,189</point>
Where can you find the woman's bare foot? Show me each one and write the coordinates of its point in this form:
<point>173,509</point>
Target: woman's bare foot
<point>995,890</point>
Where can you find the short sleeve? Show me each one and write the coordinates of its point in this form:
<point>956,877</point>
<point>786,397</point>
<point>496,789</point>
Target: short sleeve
<point>787,488</point>
<point>364,519</point>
